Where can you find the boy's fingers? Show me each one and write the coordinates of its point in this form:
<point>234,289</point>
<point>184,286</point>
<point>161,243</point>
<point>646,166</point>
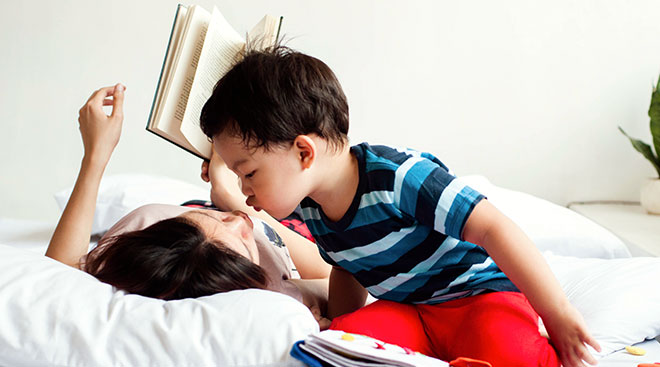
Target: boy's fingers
<point>118,101</point>
<point>586,356</point>
<point>592,341</point>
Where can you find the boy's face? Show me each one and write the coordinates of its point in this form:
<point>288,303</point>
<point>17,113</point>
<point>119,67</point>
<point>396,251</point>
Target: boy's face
<point>271,180</point>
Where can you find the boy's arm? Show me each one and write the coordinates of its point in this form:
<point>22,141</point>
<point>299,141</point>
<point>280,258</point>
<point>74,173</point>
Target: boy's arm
<point>517,256</point>
<point>345,294</point>
<point>100,134</point>
<point>226,195</point>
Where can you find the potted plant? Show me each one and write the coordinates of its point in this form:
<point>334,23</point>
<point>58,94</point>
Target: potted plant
<point>650,193</point>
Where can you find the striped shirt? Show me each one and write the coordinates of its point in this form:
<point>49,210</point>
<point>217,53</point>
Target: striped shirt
<point>401,237</point>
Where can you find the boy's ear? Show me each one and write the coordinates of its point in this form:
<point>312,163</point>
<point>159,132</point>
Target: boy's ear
<point>305,149</point>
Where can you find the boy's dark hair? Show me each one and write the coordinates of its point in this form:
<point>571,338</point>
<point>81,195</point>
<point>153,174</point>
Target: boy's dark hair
<point>273,95</point>
<point>171,259</point>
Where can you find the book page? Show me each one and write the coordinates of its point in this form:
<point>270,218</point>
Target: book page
<point>360,350</point>
<point>221,50</point>
<point>264,33</point>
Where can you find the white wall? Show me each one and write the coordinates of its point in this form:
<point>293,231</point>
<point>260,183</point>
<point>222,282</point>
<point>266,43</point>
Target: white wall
<point>528,93</point>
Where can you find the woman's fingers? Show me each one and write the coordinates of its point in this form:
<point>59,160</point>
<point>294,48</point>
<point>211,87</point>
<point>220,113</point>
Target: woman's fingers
<point>118,101</point>
<point>324,323</point>
<point>100,98</point>
<point>100,94</point>
<point>205,171</point>
<point>100,132</point>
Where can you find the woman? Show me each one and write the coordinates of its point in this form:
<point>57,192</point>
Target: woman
<point>171,252</point>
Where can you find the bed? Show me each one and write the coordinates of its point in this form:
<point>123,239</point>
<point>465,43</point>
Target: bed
<point>52,315</point>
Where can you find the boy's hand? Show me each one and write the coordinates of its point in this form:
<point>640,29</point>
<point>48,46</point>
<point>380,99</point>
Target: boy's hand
<point>569,335</point>
<point>100,132</point>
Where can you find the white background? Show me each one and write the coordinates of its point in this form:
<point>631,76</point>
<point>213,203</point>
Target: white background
<point>527,93</point>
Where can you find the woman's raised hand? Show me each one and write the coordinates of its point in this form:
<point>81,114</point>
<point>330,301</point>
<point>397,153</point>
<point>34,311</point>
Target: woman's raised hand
<point>100,132</point>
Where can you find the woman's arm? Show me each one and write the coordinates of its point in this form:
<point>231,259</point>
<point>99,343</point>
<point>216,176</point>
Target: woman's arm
<point>100,134</point>
<point>315,297</point>
<point>226,195</point>
<point>520,260</point>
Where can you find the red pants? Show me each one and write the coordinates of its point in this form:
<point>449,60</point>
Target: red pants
<point>499,327</point>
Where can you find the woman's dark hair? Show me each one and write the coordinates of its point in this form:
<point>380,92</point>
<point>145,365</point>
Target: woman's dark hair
<point>273,95</point>
<point>171,259</point>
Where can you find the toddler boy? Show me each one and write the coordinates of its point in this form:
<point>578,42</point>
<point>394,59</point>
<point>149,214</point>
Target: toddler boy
<point>393,222</point>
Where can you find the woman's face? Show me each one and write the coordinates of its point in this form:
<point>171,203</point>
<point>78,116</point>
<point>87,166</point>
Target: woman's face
<point>233,229</point>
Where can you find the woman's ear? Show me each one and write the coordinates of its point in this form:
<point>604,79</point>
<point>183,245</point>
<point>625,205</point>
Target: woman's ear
<point>305,149</point>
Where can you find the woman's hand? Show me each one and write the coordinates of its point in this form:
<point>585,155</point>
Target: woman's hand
<point>226,193</point>
<point>100,132</point>
<point>314,294</point>
<point>324,323</point>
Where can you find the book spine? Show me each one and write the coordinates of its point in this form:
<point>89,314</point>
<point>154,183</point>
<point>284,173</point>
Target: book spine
<point>279,27</point>
<point>162,69</point>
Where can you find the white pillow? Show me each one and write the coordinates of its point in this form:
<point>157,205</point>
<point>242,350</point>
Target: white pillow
<point>54,315</point>
<point>551,227</point>
<point>618,298</point>
<point>120,194</point>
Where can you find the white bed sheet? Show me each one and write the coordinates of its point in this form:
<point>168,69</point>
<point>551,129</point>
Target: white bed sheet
<point>625,359</point>
<point>39,328</point>
<point>35,235</point>
<point>26,234</point>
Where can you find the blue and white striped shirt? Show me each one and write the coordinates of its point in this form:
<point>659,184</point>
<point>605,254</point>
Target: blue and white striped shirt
<point>401,238</point>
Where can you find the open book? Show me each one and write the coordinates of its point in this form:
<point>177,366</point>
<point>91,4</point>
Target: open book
<point>202,48</point>
<point>340,349</point>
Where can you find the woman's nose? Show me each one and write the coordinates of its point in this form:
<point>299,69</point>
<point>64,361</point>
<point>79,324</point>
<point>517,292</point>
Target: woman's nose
<point>232,222</point>
<point>229,217</point>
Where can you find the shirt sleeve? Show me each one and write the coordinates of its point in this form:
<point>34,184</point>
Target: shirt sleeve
<point>325,256</point>
<point>425,190</point>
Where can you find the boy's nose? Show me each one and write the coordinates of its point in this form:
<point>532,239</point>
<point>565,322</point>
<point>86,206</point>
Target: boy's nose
<point>245,188</point>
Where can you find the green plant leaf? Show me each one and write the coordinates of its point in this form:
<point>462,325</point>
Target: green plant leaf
<point>654,114</point>
<point>645,149</point>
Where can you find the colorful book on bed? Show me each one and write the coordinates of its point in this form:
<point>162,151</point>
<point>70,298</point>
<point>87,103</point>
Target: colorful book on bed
<point>202,48</point>
<point>337,348</point>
